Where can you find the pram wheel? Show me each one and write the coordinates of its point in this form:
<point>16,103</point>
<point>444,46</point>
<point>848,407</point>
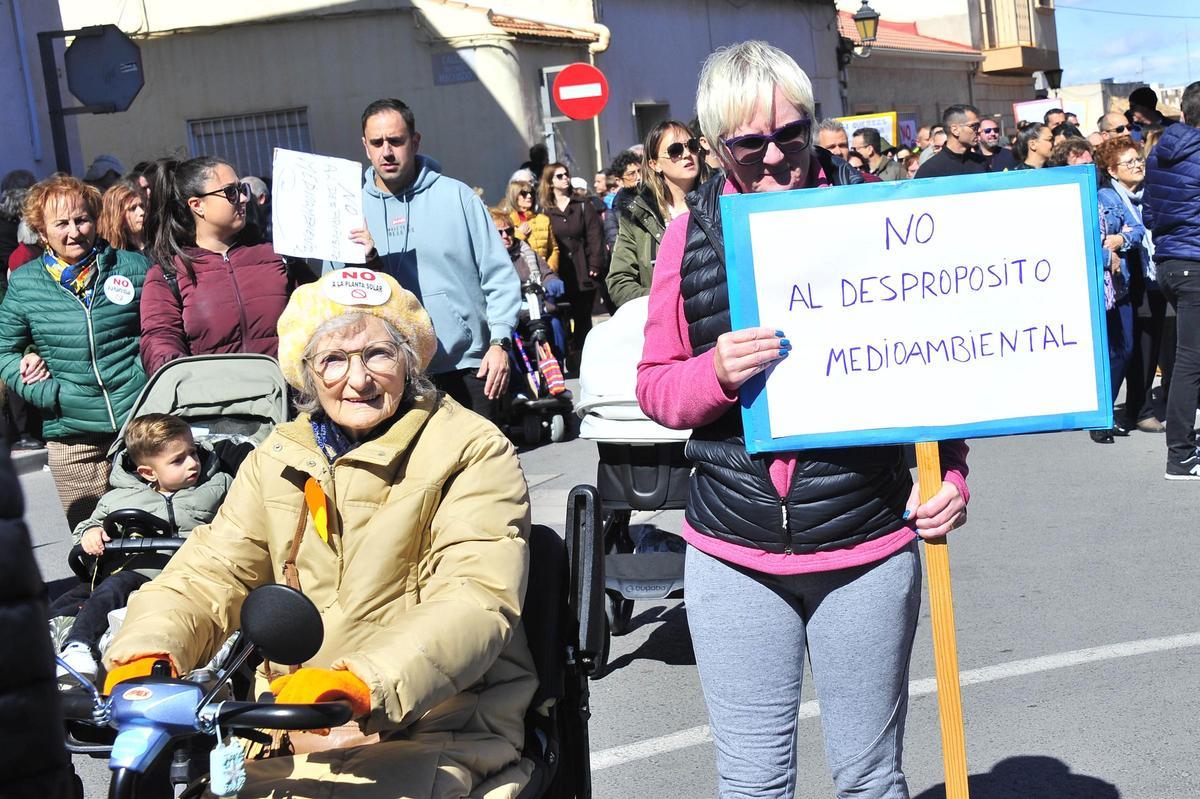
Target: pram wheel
<point>619,612</point>
<point>558,427</point>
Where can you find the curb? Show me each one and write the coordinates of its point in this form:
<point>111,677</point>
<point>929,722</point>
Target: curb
<point>29,462</point>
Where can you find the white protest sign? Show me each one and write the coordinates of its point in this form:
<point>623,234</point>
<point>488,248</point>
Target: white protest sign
<point>315,202</point>
<point>884,122</point>
<point>945,314</point>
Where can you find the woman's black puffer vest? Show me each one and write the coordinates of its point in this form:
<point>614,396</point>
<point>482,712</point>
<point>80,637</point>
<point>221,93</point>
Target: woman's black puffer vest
<point>838,497</point>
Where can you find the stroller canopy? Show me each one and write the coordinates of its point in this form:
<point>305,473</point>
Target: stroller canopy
<point>608,382</point>
<point>237,397</point>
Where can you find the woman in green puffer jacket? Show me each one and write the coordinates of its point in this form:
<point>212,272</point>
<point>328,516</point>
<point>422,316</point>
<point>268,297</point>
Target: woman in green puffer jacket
<point>69,329</point>
<point>674,166</point>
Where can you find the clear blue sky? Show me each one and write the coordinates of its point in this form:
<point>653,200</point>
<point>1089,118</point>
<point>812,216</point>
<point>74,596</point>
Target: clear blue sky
<point>1145,40</point>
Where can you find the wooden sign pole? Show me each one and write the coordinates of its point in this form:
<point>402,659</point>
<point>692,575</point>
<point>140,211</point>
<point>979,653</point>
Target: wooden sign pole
<point>945,648</point>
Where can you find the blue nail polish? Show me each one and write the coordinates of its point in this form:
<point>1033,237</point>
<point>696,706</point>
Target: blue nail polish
<point>907,513</point>
<point>779,333</point>
<point>783,342</point>
<point>784,353</point>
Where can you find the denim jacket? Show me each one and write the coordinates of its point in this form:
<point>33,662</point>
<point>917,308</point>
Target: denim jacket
<point>1115,217</point>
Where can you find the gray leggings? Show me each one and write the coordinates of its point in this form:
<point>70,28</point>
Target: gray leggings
<point>750,631</point>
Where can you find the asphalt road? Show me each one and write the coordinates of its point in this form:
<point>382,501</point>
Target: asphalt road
<point>1075,586</point>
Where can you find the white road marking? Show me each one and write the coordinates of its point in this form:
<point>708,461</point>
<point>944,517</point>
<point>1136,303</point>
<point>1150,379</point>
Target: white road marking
<point>532,481</point>
<point>580,90</point>
<point>695,736</point>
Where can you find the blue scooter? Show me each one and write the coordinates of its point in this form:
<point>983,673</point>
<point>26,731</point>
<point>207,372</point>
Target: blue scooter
<point>148,718</point>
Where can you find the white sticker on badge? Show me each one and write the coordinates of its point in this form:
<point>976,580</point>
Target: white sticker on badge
<point>357,287</point>
<point>119,290</point>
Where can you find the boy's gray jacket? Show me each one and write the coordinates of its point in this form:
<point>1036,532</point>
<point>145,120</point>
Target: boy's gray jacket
<point>184,510</point>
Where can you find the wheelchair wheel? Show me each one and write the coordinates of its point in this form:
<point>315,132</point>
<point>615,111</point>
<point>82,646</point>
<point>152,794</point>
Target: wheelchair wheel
<point>531,428</point>
<point>558,427</point>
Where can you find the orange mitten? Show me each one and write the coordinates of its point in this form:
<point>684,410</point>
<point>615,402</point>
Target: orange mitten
<point>134,668</point>
<point>307,686</point>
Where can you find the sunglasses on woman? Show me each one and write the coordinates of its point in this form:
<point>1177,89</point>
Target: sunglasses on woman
<point>675,149</point>
<point>791,138</point>
<point>235,193</point>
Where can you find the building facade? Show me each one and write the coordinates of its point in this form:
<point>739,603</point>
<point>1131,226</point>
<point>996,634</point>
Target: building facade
<point>936,53</point>
<point>237,79</point>
<point>25,138</point>
<point>657,48</point>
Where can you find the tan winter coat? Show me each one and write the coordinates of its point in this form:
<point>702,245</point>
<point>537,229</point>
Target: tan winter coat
<point>420,588</point>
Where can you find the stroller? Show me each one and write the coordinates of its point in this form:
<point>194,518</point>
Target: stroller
<point>540,400</point>
<point>231,402</point>
<point>642,468</point>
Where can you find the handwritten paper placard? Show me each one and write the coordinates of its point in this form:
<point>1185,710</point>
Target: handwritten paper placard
<point>315,202</point>
<point>923,310</point>
<point>884,122</point>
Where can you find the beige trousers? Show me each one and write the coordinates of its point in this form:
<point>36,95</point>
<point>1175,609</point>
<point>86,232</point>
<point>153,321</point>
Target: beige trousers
<point>432,767</point>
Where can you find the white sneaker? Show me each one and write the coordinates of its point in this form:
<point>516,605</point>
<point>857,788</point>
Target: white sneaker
<point>78,656</point>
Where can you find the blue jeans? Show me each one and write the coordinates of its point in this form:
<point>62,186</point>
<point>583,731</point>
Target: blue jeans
<point>750,632</point>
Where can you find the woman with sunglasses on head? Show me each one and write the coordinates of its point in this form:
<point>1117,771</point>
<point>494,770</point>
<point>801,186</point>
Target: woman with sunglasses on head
<point>211,290</point>
<point>1034,144</point>
<point>580,235</point>
<point>529,225</point>
<point>674,166</point>
<point>812,551</point>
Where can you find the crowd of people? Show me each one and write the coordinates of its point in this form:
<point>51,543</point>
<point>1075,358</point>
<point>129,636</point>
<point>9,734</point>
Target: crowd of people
<point>415,546</point>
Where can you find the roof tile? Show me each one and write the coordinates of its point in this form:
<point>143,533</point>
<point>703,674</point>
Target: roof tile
<point>901,36</point>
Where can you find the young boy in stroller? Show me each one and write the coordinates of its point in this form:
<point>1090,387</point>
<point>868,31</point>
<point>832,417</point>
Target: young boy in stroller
<point>164,472</point>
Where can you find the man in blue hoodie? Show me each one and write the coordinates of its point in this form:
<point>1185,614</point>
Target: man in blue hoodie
<point>434,235</point>
<point>1171,210</point>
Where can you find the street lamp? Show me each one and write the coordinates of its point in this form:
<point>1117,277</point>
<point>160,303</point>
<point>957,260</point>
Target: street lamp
<point>1053,79</point>
<point>866,20</point>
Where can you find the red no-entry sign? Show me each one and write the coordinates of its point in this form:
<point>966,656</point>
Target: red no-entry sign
<point>580,91</point>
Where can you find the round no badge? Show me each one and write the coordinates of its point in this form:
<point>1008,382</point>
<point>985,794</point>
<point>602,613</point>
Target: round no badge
<point>119,290</point>
<point>357,287</point>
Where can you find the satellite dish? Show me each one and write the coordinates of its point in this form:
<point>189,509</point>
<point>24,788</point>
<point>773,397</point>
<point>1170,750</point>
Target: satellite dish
<point>104,68</point>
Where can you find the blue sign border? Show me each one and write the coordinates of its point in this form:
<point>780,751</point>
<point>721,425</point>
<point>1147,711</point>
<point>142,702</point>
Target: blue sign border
<point>736,210</point>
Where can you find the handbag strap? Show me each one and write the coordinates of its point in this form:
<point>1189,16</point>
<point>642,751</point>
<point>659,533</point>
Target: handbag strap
<point>291,573</point>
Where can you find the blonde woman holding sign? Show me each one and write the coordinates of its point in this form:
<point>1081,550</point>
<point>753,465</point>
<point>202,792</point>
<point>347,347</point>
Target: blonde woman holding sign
<point>802,552</point>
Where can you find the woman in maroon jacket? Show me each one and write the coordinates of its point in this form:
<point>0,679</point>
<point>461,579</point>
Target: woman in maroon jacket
<point>209,290</point>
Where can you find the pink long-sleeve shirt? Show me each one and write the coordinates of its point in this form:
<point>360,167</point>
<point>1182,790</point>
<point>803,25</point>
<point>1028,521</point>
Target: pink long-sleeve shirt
<point>680,391</point>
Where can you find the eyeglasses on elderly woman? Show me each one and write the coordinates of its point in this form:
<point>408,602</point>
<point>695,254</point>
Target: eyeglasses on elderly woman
<point>379,357</point>
<point>793,137</point>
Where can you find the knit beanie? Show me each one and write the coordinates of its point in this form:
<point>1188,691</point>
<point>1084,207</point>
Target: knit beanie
<point>344,291</point>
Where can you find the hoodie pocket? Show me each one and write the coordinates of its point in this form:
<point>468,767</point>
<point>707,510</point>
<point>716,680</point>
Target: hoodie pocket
<point>453,332</point>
